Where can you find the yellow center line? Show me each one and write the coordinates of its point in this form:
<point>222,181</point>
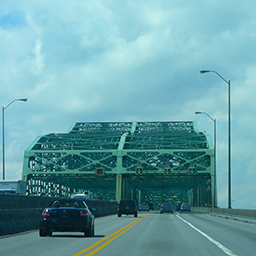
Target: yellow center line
<point>113,235</point>
<point>102,240</point>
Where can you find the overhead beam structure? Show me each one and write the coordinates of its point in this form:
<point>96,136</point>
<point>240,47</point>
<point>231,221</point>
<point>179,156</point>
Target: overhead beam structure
<point>104,156</point>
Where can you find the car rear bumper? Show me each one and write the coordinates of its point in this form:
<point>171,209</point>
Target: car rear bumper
<point>166,211</point>
<point>65,225</point>
<point>127,212</point>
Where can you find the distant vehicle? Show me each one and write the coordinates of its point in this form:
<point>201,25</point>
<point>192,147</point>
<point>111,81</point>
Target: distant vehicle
<point>79,196</point>
<point>13,187</point>
<point>143,207</point>
<point>178,207</point>
<point>151,206</point>
<point>8,191</point>
<point>166,207</point>
<point>185,207</point>
<point>67,215</point>
<point>128,207</point>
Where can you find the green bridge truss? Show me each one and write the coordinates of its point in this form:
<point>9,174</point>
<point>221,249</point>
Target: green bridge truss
<point>106,155</point>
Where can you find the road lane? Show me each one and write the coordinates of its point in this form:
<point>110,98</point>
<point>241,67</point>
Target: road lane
<point>239,236</point>
<point>218,244</point>
<point>154,234</point>
<point>160,234</point>
<point>98,246</point>
<point>60,244</point>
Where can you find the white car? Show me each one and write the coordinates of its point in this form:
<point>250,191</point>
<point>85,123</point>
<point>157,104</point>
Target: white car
<point>143,207</point>
<point>185,207</point>
<point>79,196</point>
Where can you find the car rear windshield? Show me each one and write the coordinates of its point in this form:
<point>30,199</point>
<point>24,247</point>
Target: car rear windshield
<point>67,203</point>
<point>127,203</point>
<point>166,204</point>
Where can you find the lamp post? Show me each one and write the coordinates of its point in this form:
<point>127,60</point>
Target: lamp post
<point>229,134</point>
<point>215,147</point>
<point>3,109</point>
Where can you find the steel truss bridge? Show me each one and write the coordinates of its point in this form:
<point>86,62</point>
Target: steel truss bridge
<point>104,157</point>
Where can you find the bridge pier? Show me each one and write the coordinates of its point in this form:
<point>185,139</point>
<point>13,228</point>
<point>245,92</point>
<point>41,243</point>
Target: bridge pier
<point>118,187</point>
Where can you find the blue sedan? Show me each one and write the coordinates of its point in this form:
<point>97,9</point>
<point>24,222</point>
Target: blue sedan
<point>67,215</point>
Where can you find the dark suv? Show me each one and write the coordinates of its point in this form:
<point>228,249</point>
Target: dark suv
<point>128,207</point>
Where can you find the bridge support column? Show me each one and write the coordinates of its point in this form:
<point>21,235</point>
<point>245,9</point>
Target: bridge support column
<point>118,187</point>
<point>139,196</point>
<point>213,192</point>
<point>191,197</point>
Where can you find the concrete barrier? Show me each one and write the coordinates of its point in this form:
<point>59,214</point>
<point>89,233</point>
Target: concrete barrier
<point>22,213</point>
<point>235,214</point>
<point>15,221</point>
<point>201,209</point>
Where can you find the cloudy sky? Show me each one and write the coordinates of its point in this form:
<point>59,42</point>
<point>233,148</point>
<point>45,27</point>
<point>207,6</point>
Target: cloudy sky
<point>110,60</point>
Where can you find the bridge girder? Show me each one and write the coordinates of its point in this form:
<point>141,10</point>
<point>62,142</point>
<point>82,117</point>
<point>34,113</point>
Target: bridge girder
<point>72,158</point>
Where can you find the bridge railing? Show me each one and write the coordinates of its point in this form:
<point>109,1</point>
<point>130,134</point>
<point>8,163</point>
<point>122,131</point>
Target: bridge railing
<point>237,214</point>
<point>22,213</point>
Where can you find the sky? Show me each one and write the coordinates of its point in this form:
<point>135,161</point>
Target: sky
<point>110,60</point>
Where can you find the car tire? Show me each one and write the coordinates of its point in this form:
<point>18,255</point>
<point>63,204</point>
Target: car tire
<point>136,215</point>
<point>90,231</point>
<point>93,230</point>
<point>44,232</point>
<point>119,214</point>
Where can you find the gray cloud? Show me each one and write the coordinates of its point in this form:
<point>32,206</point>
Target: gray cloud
<point>126,61</point>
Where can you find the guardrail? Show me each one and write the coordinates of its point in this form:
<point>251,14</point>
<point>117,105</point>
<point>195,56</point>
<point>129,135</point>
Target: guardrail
<point>22,213</point>
<point>201,209</point>
<point>236,214</point>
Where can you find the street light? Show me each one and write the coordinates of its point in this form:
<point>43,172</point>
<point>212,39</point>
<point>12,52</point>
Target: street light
<point>3,109</point>
<point>215,147</point>
<point>229,134</point>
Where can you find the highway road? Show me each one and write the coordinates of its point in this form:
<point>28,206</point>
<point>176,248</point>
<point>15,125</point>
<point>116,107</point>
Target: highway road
<point>149,234</point>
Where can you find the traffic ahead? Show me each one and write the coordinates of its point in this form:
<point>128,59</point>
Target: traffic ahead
<point>149,234</point>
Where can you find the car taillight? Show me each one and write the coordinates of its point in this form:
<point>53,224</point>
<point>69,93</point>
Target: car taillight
<point>118,207</point>
<point>46,214</point>
<point>83,214</point>
<point>162,207</point>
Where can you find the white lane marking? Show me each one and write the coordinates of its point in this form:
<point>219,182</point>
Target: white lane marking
<point>222,247</point>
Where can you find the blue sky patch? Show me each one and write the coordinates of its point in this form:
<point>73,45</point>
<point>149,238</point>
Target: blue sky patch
<point>12,20</point>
